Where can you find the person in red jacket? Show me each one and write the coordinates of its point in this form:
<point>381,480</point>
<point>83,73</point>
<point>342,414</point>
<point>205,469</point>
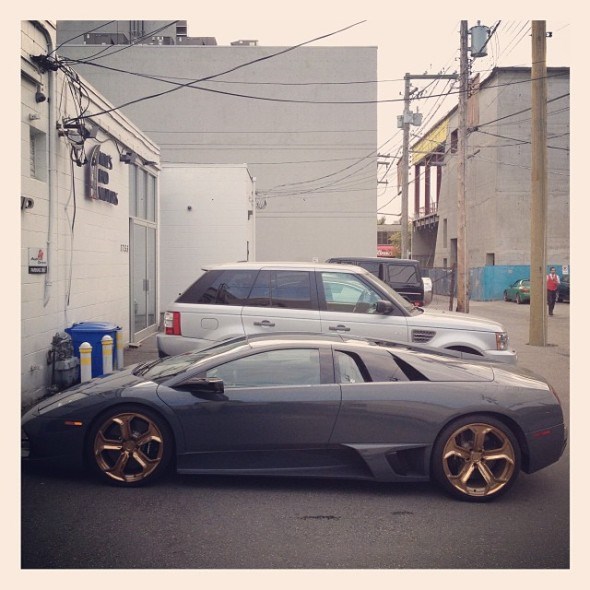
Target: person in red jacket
<point>552,286</point>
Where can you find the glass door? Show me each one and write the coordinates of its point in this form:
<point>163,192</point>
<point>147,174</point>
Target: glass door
<point>143,280</point>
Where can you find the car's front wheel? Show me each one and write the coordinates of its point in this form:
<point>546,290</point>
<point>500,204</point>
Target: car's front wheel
<point>518,299</point>
<point>476,458</point>
<point>506,296</point>
<point>129,446</point>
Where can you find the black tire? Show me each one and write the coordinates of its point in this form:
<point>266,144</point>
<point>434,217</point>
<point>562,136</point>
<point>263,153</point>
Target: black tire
<point>506,296</point>
<point>518,299</point>
<point>476,474</point>
<point>129,446</point>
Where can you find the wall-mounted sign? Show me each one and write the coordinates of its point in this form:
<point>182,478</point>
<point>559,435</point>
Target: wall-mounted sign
<point>37,261</point>
<point>98,177</point>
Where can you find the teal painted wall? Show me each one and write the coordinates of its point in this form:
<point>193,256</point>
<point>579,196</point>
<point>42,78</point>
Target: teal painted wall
<point>487,283</point>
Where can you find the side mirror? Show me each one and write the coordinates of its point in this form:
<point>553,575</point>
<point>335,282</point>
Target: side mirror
<point>383,307</point>
<point>211,388</point>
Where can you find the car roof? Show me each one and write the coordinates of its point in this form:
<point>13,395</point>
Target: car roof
<point>285,266</point>
<point>309,338</point>
<point>383,259</point>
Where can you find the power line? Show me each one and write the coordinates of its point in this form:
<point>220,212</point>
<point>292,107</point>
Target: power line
<point>233,69</point>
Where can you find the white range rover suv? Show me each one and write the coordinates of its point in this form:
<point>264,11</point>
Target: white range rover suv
<point>246,298</point>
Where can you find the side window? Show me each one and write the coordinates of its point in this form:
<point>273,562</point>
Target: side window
<point>228,287</point>
<point>347,369</point>
<point>346,292</point>
<point>382,366</point>
<point>290,367</point>
<point>372,267</point>
<point>402,274</point>
<point>282,288</point>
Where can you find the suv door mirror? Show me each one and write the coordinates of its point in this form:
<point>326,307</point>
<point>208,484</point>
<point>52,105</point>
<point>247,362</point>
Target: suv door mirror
<point>383,307</point>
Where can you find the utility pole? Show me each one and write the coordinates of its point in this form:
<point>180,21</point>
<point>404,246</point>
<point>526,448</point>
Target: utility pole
<point>404,122</point>
<point>538,322</point>
<point>405,164</point>
<point>462,281</point>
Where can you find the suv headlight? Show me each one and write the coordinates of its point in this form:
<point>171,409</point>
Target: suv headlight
<point>502,340</point>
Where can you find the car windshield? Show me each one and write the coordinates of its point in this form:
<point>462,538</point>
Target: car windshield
<point>172,365</point>
<point>401,301</point>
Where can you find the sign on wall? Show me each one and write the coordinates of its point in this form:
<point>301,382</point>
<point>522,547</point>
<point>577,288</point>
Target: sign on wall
<point>37,261</point>
<point>99,168</point>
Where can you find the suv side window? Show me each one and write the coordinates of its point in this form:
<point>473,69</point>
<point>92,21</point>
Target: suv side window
<point>372,267</point>
<point>346,292</point>
<point>402,274</point>
<point>227,287</point>
<point>282,288</point>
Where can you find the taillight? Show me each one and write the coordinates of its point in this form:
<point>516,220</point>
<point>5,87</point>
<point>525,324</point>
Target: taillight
<point>172,323</point>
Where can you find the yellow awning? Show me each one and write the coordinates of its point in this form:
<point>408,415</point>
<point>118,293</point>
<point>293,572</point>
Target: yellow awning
<point>430,142</point>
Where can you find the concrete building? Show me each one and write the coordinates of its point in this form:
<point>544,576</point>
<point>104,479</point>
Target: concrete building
<point>304,121</point>
<point>89,202</point>
<point>208,216</point>
<point>497,176</point>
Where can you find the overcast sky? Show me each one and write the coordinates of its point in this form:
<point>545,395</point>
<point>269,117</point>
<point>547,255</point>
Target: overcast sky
<point>410,38</point>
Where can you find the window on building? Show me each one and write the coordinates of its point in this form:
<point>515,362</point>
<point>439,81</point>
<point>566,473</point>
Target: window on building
<point>490,259</point>
<point>454,141</point>
<point>37,150</point>
<point>383,238</point>
<point>142,193</point>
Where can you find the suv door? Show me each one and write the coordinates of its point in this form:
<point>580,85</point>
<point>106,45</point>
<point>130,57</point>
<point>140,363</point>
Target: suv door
<point>347,306</point>
<point>282,301</point>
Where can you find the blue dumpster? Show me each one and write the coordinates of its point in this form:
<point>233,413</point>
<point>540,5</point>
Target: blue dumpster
<point>93,332</point>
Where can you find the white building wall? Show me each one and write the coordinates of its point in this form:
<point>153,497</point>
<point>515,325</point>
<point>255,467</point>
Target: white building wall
<point>305,122</point>
<point>85,241</point>
<point>207,216</point>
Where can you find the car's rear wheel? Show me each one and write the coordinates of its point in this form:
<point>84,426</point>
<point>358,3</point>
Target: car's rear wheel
<point>476,458</point>
<point>518,299</point>
<point>506,296</point>
<point>129,446</point>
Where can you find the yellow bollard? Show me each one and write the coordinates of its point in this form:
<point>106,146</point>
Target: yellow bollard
<point>120,361</point>
<point>85,362</point>
<point>107,354</point>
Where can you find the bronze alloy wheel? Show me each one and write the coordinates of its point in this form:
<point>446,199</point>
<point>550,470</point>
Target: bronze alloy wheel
<point>478,459</point>
<point>130,446</point>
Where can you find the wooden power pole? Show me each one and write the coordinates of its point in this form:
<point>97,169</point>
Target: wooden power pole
<point>462,267</point>
<point>538,315</point>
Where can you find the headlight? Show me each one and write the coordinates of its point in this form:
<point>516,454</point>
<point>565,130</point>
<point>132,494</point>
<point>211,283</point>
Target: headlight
<point>502,340</point>
<point>61,402</point>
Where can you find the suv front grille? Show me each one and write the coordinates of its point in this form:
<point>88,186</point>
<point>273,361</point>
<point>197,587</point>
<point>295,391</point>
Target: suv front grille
<point>422,336</point>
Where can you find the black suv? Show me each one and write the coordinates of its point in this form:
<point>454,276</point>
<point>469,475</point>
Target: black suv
<point>401,274</point>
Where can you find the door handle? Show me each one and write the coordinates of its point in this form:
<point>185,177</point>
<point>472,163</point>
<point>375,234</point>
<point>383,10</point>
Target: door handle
<point>339,328</point>
<point>265,323</point>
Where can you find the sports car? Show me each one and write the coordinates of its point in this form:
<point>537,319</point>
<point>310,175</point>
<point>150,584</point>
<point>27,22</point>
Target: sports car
<point>307,405</point>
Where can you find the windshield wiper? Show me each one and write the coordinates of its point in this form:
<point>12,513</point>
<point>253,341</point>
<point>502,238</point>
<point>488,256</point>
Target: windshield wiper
<point>145,367</point>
